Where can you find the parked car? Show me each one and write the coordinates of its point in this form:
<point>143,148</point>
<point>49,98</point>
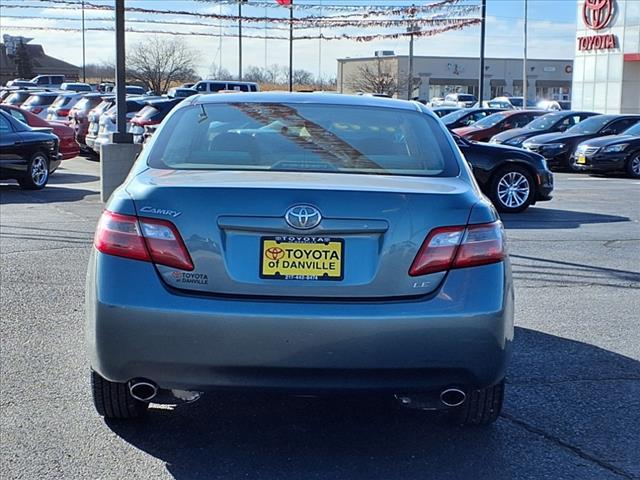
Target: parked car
<point>467,116</point>
<point>442,111</point>
<point>39,103</point>
<point>76,87</point>
<point>558,148</point>
<point>512,178</point>
<point>515,102</point>
<point>436,101</point>
<point>107,122</point>
<point>48,81</point>
<point>550,105</point>
<point>68,147</point>
<point>59,110</point>
<point>407,289</point>
<point>565,104</point>
<point>549,123</point>
<point>613,153</point>
<point>484,129</point>
<point>134,90</point>
<point>27,155</point>
<point>18,97</point>
<point>79,115</point>
<point>20,83</point>
<point>94,122</point>
<point>145,122</point>
<point>215,86</point>
<point>462,100</point>
<point>178,92</point>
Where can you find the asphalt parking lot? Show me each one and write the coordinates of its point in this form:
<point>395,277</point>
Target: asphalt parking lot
<point>573,395</point>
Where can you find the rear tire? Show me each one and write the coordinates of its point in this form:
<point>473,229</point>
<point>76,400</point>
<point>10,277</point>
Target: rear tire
<point>633,165</point>
<point>512,189</point>
<point>37,174</point>
<point>482,407</point>
<point>113,400</point>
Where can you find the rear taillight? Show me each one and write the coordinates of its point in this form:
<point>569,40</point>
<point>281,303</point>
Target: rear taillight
<point>138,238</point>
<point>36,110</point>
<point>62,112</point>
<point>458,247</point>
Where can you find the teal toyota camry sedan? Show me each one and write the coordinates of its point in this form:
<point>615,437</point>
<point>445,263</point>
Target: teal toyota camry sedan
<point>309,244</point>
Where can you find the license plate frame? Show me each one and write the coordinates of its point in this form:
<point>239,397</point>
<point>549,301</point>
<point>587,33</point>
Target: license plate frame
<point>289,244</point>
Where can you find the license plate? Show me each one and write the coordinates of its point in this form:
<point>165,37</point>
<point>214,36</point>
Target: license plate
<point>301,258</point>
<point>581,159</point>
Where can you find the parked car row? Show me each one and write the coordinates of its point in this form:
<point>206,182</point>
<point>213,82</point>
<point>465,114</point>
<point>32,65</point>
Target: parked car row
<point>564,138</point>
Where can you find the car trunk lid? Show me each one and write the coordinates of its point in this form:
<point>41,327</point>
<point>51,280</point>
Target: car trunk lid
<point>371,229</point>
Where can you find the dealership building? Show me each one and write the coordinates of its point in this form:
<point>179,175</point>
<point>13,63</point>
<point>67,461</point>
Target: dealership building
<point>606,73</point>
<point>438,76</point>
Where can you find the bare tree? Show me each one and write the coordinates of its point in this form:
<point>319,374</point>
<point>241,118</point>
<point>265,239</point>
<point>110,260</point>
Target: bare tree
<point>218,72</point>
<point>254,74</point>
<point>379,79</point>
<point>159,62</point>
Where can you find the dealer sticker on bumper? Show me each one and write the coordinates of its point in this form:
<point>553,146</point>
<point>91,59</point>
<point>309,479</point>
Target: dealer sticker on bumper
<point>302,258</point>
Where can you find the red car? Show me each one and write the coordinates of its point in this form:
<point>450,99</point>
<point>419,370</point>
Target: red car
<point>69,148</point>
<point>484,129</point>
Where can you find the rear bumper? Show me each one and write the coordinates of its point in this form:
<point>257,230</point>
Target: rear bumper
<point>460,336</point>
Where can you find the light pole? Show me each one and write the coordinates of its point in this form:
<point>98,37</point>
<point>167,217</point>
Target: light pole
<point>291,46</point>
<point>84,63</point>
<point>524,61</point>
<point>412,28</point>
<point>482,38</point>
<point>240,2</point>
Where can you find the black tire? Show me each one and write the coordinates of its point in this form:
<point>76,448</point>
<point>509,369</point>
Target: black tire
<point>113,400</point>
<point>520,200</point>
<point>633,165</point>
<point>37,174</point>
<point>482,407</point>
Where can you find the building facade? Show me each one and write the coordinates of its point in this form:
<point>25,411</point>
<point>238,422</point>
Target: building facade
<point>438,76</point>
<point>606,75</point>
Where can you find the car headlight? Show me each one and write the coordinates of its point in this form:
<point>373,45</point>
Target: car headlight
<point>554,146</point>
<point>615,148</point>
<point>516,141</point>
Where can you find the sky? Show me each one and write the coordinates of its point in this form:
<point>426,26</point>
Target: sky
<point>551,25</point>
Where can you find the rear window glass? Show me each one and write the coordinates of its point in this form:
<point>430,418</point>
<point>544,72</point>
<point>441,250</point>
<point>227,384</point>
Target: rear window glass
<point>304,137</point>
<point>39,100</point>
<point>61,101</point>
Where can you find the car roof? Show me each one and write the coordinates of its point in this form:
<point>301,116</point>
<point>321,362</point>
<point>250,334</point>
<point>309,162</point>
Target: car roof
<point>312,98</point>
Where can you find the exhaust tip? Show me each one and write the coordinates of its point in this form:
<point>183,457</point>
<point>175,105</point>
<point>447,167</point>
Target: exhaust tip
<point>143,390</point>
<point>453,397</point>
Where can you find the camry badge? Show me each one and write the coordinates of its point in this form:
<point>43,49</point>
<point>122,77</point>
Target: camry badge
<point>303,217</point>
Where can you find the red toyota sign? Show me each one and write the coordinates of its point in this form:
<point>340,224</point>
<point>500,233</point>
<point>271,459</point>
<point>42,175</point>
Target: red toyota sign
<point>597,14</point>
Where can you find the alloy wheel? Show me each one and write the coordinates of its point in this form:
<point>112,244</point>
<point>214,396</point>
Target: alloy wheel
<point>39,171</point>
<point>635,165</point>
<point>513,189</point>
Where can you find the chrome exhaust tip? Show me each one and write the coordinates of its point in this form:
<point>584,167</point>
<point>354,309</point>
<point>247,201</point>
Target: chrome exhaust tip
<point>453,397</point>
<point>143,390</point>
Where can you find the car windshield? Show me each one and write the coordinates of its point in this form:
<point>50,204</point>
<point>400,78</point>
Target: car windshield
<point>466,98</point>
<point>590,125</point>
<point>303,137</point>
<point>545,122</point>
<point>635,130</point>
<point>491,120</point>
<point>454,116</point>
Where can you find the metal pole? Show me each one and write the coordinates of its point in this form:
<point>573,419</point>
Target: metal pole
<point>482,39</point>
<point>410,84</point>
<point>84,63</point>
<point>524,62</point>
<point>121,97</point>
<point>240,40</point>
<point>291,46</point>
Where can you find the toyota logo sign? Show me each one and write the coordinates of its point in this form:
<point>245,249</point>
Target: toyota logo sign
<point>303,217</point>
<point>597,13</point>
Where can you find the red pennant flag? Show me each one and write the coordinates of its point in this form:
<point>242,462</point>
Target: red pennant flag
<point>284,2</point>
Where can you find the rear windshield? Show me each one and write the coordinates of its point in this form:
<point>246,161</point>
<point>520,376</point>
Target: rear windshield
<point>61,101</point>
<point>39,100</point>
<point>466,98</point>
<point>304,137</point>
